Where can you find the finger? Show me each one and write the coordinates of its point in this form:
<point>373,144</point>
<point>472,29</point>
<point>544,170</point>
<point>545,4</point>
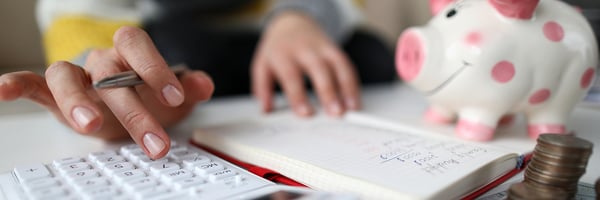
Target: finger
<point>69,84</point>
<point>290,79</point>
<point>262,83</point>
<point>199,87</point>
<point>128,108</point>
<point>322,78</point>
<point>346,77</point>
<point>30,86</point>
<point>137,49</point>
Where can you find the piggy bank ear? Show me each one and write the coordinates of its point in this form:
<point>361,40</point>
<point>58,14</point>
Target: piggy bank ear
<point>437,5</point>
<point>518,9</point>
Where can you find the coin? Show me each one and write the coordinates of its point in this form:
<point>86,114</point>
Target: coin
<point>527,191</point>
<point>557,163</point>
<point>566,142</point>
<point>575,159</point>
<point>557,171</point>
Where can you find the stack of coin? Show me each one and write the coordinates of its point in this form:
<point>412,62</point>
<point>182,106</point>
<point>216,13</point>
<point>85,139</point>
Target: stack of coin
<point>526,191</point>
<point>557,163</point>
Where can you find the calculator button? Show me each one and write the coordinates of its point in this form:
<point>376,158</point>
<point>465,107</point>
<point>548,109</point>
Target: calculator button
<point>41,183</point>
<point>101,154</point>
<point>65,161</point>
<point>192,162</point>
<point>172,176</point>
<point>152,191</point>
<point>205,169</point>
<point>49,193</point>
<point>100,193</point>
<point>140,183</point>
<point>159,168</point>
<point>146,162</point>
<point>74,167</point>
<point>118,167</point>
<point>82,175</point>
<point>89,184</point>
<point>104,161</point>
<point>183,154</point>
<point>215,176</point>
<point>128,175</point>
<point>31,172</point>
<point>188,182</point>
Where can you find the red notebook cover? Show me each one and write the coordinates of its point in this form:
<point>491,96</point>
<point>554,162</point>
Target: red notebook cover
<point>520,167</point>
<point>260,171</point>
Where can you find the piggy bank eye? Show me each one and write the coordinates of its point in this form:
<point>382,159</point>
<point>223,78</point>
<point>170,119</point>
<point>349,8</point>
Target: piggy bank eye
<point>451,13</point>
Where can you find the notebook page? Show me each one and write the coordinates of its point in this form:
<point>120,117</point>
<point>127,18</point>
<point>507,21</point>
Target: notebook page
<point>399,161</point>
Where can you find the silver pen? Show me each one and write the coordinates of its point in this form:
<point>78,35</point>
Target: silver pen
<point>130,78</point>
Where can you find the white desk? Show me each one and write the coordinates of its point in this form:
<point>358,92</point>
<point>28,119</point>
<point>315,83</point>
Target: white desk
<point>38,137</point>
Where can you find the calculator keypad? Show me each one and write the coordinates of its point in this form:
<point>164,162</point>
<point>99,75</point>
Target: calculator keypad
<point>185,173</point>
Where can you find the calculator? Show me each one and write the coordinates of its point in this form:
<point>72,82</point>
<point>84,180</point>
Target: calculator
<point>187,172</point>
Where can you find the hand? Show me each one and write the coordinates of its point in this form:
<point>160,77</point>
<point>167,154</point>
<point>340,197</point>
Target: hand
<point>139,112</point>
<point>294,45</point>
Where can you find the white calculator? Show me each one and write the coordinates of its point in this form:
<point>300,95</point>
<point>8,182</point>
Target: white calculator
<point>186,172</point>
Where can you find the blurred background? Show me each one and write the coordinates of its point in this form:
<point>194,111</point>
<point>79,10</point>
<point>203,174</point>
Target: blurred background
<point>20,45</point>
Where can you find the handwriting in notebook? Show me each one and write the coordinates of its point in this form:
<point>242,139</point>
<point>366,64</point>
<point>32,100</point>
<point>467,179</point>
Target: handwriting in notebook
<point>433,157</point>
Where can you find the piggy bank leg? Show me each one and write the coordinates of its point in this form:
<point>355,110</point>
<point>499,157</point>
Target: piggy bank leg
<point>476,131</point>
<point>439,115</point>
<point>535,130</point>
<point>548,120</point>
<point>477,126</point>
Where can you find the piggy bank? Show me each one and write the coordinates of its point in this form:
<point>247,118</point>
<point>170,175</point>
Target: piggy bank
<point>480,62</point>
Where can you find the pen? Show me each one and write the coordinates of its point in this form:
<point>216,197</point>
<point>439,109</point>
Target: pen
<point>130,78</point>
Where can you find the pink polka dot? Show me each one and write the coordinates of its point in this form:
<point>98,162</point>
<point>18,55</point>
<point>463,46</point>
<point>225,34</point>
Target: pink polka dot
<point>540,96</point>
<point>503,72</point>
<point>554,31</point>
<point>586,79</point>
<point>473,38</point>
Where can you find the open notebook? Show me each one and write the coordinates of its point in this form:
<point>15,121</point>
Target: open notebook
<point>374,163</point>
<point>373,154</point>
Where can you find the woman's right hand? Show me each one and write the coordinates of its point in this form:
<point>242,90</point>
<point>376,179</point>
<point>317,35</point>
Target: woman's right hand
<point>140,112</point>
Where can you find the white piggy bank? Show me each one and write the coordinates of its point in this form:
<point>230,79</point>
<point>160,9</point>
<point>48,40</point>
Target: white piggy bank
<point>482,61</point>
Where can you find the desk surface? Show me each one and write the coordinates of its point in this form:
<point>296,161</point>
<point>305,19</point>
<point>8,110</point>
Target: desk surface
<point>29,134</point>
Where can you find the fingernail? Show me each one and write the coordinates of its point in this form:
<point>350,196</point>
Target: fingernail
<point>303,109</point>
<point>83,116</point>
<point>335,108</point>
<point>172,95</point>
<point>153,143</point>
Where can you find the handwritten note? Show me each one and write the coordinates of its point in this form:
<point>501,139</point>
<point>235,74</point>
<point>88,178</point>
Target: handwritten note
<point>400,161</point>
<point>403,161</point>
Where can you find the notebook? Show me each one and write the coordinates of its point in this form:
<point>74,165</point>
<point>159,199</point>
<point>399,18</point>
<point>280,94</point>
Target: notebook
<point>373,154</point>
<point>374,163</point>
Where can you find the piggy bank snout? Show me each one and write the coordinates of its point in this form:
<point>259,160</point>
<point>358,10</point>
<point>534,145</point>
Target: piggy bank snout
<point>411,54</point>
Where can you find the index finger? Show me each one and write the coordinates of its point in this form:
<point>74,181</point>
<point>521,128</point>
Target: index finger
<point>139,52</point>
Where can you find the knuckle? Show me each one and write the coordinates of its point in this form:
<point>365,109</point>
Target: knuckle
<point>133,118</point>
<point>126,33</point>
<point>149,69</point>
<point>96,54</point>
<point>56,67</point>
